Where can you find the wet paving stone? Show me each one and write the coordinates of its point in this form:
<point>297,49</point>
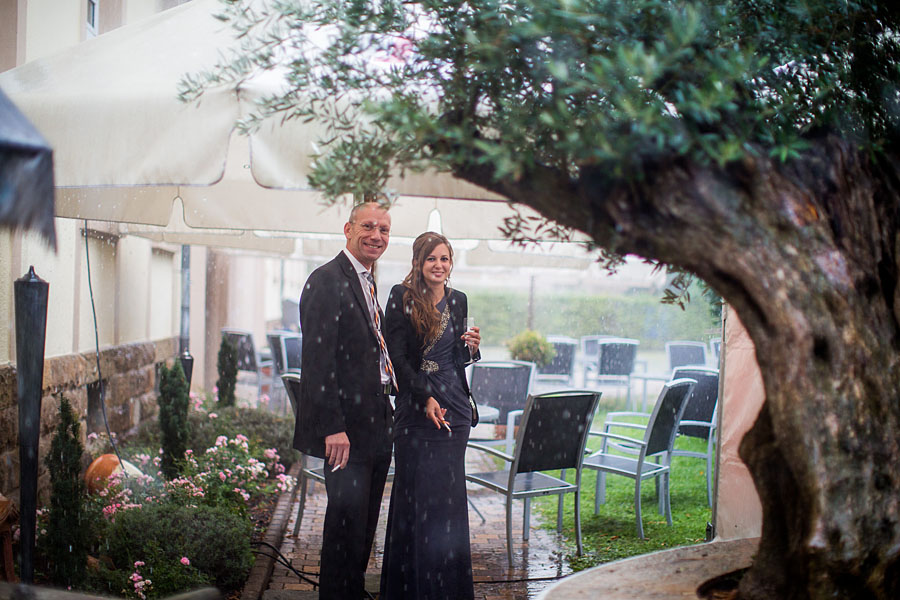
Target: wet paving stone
<point>537,563</point>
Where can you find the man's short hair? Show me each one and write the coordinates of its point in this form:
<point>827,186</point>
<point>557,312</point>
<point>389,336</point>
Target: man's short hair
<point>382,204</point>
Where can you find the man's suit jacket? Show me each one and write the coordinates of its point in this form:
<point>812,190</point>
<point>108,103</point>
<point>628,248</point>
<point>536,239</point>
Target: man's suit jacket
<point>406,347</point>
<point>340,364</point>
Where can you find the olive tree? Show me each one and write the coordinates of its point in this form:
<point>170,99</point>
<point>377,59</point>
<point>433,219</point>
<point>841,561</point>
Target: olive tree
<point>752,143</point>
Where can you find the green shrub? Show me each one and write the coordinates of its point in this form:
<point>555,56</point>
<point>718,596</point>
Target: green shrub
<point>215,541</point>
<point>262,428</point>
<point>66,543</point>
<point>531,346</point>
<point>640,315</point>
<point>228,367</point>
<point>158,576</point>
<point>174,399</point>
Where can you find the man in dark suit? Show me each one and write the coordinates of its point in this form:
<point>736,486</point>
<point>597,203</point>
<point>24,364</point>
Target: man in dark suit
<point>345,413</point>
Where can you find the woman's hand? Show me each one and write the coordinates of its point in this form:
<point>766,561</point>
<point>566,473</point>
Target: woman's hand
<point>472,338</point>
<point>434,412</point>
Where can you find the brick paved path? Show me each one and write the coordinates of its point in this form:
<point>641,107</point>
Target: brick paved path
<point>539,558</point>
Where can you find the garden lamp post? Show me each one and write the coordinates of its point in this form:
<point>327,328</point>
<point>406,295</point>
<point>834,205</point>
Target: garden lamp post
<point>184,352</point>
<point>31,293</point>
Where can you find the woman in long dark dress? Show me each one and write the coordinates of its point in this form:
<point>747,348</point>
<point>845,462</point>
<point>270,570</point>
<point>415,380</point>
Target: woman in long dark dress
<point>427,554</point>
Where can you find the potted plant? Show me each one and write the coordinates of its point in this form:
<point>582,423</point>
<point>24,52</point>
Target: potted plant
<point>531,346</point>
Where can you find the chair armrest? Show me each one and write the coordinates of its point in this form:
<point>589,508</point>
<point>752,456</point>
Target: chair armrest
<point>609,424</point>
<point>511,417</point>
<point>490,450</point>
<point>625,413</point>
<point>621,438</point>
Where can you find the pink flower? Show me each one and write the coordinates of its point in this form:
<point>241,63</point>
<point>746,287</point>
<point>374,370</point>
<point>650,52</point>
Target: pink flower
<point>222,476</point>
<point>213,416</point>
<point>185,561</point>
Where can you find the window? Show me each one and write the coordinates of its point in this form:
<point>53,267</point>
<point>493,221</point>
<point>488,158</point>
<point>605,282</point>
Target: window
<point>92,17</point>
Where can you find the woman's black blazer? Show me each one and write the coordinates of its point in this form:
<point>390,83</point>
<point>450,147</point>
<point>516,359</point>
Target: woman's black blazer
<point>405,346</point>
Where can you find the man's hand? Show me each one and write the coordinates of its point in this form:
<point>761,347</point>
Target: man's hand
<point>337,450</point>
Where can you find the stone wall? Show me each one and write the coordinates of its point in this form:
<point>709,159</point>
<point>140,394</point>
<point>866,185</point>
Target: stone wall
<point>130,375</point>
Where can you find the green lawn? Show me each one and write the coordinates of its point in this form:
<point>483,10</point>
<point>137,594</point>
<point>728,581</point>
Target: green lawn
<point>612,534</point>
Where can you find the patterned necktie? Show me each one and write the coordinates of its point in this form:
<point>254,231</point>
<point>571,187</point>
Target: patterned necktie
<point>386,359</point>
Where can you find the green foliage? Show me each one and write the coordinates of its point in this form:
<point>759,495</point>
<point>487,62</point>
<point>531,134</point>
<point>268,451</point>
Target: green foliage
<point>531,346</point>
<point>227,365</point>
<point>214,539</point>
<point>262,428</point>
<point>174,400</point>
<point>154,537</point>
<point>171,576</point>
<point>573,98</point>
<point>640,316</point>
<point>591,89</point>
<point>67,541</point>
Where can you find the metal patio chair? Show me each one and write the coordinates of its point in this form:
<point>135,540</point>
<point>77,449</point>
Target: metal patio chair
<point>249,358</point>
<point>684,353</point>
<point>609,361</point>
<point>285,348</point>
<point>562,367</point>
<point>656,443</point>
<point>552,436</point>
<point>501,388</point>
<point>311,467</point>
<point>699,418</point>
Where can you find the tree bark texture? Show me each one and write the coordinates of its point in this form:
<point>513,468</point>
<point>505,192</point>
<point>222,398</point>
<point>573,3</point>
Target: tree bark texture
<point>807,254</point>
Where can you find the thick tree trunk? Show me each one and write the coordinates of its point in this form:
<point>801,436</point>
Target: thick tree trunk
<point>807,254</point>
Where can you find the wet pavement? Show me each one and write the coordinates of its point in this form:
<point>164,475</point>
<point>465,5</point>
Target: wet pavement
<point>537,563</point>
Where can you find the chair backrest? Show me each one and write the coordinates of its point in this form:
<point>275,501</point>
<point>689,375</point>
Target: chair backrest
<point>616,356</point>
<point>701,406</point>
<point>563,362</point>
<point>292,385</point>
<point>246,351</point>
<point>293,348</point>
<point>590,346</point>
<point>503,385</point>
<point>554,430</point>
<point>285,346</point>
<point>277,348</point>
<point>685,353</point>
<point>290,314</point>
<point>663,424</point>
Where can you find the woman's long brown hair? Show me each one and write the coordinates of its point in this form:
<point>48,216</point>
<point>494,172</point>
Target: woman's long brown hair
<point>418,302</point>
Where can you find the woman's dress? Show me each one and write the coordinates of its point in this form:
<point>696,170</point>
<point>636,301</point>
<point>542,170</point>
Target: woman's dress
<point>427,554</point>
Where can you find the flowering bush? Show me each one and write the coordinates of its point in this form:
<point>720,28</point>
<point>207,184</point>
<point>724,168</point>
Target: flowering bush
<point>230,472</point>
<point>181,547</point>
<point>153,537</point>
